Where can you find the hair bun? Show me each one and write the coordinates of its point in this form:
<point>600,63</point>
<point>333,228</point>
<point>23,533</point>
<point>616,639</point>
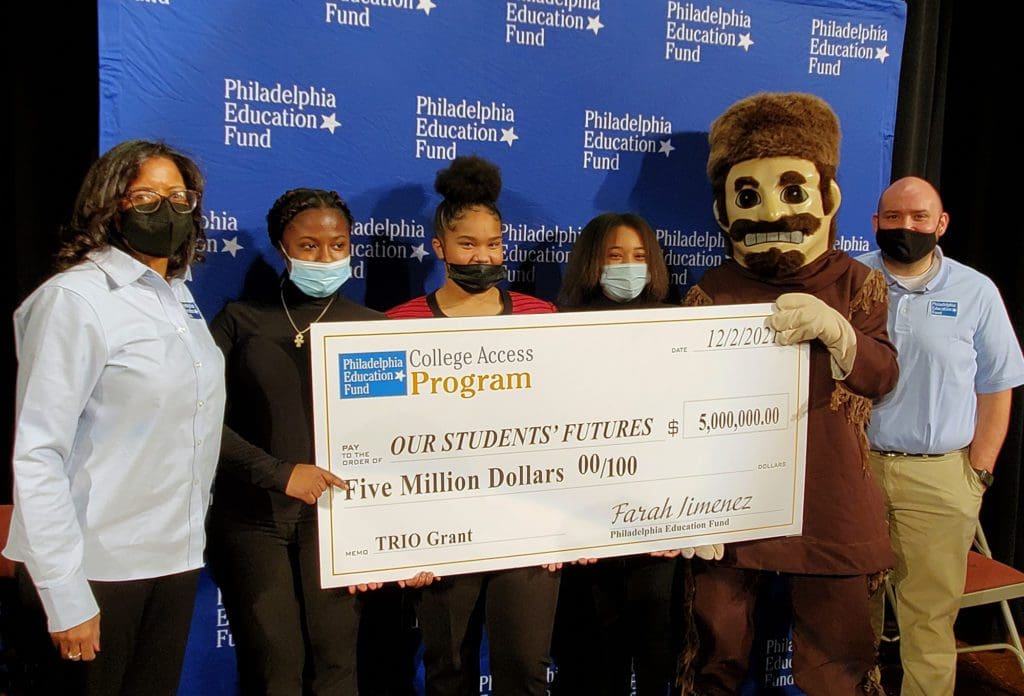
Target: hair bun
<point>469,180</point>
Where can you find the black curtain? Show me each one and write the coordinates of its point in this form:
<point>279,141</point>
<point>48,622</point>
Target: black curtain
<point>53,63</point>
<point>948,130</point>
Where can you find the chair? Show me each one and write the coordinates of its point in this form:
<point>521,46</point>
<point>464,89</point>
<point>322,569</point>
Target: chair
<point>988,581</point>
<point>6,565</point>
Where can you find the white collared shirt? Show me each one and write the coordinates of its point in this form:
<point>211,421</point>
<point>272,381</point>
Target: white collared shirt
<point>120,401</point>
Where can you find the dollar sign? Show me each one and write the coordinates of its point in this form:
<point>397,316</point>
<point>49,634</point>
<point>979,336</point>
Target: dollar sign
<point>673,427</point>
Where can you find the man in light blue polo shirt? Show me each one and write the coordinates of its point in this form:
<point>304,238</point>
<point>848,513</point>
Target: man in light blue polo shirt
<point>935,438</point>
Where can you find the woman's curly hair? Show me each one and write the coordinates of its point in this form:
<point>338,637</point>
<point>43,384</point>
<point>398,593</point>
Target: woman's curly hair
<point>97,214</point>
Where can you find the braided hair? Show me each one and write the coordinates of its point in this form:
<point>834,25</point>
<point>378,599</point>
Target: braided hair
<point>468,182</point>
<point>295,201</point>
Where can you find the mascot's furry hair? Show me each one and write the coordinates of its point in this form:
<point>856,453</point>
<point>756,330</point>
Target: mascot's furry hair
<point>775,124</point>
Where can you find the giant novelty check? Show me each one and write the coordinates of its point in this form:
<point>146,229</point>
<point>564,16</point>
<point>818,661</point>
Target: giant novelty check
<point>496,442</point>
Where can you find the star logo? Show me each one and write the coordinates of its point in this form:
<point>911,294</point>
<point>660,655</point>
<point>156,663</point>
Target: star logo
<point>594,24</point>
<point>881,54</point>
<point>508,135</point>
<point>426,6</point>
<point>231,246</point>
<point>746,42</point>
<point>400,374</point>
<point>329,122</point>
<point>665,147</point>
<point>419,252</point>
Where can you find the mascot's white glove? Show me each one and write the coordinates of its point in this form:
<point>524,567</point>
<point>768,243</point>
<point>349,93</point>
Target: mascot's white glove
<point>802,317</point>
<point>711,552</point>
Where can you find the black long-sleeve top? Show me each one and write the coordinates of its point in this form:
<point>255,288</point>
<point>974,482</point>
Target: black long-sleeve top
<point>269,419</point>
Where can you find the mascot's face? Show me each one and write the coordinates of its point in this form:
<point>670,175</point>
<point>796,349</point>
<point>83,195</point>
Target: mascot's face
<point>775,213</point>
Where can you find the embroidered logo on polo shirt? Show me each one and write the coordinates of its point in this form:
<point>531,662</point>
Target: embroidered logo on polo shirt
<point>364,375</point>
<point>942,309</point>
<point>192,310</point>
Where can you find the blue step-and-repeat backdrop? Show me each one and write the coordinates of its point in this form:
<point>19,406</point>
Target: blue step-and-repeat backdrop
<point>586,105</point>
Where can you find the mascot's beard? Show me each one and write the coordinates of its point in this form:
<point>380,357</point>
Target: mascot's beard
<point>773,262</point>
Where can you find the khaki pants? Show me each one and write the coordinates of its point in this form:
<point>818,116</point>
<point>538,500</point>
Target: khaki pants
<point>933,505</point>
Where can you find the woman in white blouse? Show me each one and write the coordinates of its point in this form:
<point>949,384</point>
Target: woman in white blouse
<point>120,401</point>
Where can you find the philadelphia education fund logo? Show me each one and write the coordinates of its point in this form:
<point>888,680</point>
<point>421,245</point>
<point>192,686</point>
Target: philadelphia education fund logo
<point>363,375</point>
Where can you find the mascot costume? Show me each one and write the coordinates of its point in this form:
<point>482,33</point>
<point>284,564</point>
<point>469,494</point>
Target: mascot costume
<point>772,167</point>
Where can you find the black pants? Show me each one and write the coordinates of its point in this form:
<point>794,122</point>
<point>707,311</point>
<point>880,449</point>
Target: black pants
<point>518,607</point>
<point>833,642</point>
<point>388,642</point>
<point>615,617</point>
<point>291,636</point>
<point>144,627</point>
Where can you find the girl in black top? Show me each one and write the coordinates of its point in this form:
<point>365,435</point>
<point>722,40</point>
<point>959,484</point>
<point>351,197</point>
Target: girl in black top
<point>291,636</point>
<point>616,616</point>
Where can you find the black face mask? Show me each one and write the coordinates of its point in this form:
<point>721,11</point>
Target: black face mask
<point>905,246</point>
<point>160,233</point>
<point>476,277</point>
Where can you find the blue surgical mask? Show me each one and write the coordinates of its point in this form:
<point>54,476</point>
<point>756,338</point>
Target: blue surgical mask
<point>318,279</point>
<point>623,282</point>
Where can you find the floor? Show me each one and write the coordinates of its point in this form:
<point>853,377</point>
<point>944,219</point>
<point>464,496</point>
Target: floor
<point>989,673</point>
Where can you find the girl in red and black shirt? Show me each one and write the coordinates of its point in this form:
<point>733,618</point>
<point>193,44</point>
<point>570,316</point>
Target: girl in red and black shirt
<point>517,605</point>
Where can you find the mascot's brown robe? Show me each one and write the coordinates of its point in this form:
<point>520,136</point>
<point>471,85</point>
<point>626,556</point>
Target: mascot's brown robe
<point>845,530</point>
<point>837,560</point>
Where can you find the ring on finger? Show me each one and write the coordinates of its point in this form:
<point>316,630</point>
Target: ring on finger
<point>75,656</point>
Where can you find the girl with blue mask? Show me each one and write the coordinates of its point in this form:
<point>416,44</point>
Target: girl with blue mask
<point>616,261</point>
<point>290,635</point>
<point>318,278</point>
<point>622,609</point>
<point>623,282</point>
<point>316,246</point>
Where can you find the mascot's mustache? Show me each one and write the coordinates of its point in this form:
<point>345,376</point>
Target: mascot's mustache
<point>791,229</point>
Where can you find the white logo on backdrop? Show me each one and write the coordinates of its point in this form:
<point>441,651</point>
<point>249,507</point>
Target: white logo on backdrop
<point>527,245</point>
<point>221,221</point>
<point>527,22</point>
<point>686,250</point>
<point>442,124</point>
<point>231,246</point>
<point>252,110</point>
<point>834,42</point>
<point>388,238</point>
<point>606,135</point>
<point>223,637</point>
<point>418,252</point>
<point>690,27</point>
<point>357,13</point>
<point>855,243</point>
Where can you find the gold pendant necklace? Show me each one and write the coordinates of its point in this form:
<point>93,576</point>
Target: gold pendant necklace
<point>299,338</point>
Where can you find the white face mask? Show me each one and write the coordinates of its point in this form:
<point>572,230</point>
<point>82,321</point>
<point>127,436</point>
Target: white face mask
<point>318,279</point>
<point>623,282</point>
